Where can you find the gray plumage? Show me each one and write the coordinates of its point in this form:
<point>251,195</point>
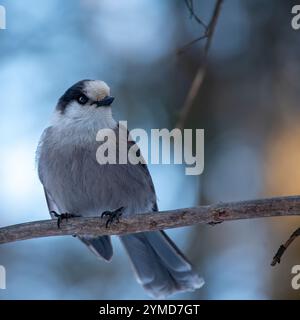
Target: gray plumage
<point>76,183</point>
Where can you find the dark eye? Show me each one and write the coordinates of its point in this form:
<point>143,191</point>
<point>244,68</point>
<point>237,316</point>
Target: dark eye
<point>83,99</point>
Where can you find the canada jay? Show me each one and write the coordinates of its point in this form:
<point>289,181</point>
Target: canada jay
<point>75,183</point>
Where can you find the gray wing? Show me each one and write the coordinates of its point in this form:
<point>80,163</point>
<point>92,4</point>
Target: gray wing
<point>143,167</point>
<point>50,203</point>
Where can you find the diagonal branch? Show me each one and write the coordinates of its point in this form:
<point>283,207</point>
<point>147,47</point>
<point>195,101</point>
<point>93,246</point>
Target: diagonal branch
<point>283,247</point>
<point>282,206</point>
<point>198,80</point>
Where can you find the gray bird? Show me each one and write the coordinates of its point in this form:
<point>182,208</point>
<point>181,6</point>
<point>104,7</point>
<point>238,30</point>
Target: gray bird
<point>75,183</point>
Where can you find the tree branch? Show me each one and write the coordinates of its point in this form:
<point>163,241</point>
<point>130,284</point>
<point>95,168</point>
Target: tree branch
<point>282,206</point>
<point>283,247</point>
<point>199,77</point>
<point>190,5</point>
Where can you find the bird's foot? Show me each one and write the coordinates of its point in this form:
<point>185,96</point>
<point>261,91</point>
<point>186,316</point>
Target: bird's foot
<point>214,223</point>
<point>112,216</point>
<point>63,216</point>
<point>218,217</point>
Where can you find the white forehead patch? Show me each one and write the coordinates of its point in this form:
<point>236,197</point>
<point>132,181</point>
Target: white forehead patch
<point>96,89</point>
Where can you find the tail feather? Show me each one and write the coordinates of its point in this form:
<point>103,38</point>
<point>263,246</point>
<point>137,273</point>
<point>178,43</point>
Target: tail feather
<point>168,252</point>
<point>159,265</point>
<point>139,252</point>
<point>100,246</point>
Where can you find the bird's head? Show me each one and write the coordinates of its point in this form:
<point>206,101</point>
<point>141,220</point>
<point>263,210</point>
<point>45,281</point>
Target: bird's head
<point>85,99</point>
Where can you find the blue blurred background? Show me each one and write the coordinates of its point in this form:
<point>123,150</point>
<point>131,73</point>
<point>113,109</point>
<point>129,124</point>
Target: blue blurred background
<point>248,106</point>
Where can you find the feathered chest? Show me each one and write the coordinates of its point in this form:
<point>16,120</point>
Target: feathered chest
<point>77,182</point>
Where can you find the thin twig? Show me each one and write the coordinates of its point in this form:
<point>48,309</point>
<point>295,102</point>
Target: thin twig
<point>282,206</point>
<point>283,247</point>
<point>186,46</point>
<point>198,80</point>
<point>190,5</point>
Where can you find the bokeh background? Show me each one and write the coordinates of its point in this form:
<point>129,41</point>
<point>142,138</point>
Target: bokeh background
<point>248,106</point>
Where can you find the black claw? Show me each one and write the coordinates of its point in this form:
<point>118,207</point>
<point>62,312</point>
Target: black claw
<point>214,223</point>
<point>105,213</point>
<point>112,216</point>
<point>63,216</point>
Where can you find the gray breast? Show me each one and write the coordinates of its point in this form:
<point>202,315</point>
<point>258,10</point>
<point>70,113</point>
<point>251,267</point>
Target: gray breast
<point>78,184</point>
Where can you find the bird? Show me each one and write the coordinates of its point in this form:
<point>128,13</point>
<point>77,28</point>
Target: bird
<point>75,184</point>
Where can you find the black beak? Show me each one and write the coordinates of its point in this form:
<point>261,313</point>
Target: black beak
<point>105,102</point>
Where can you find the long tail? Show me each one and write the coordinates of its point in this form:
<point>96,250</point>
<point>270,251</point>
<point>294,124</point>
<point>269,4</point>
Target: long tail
<point>159,265</point>
<point>100,246</point>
